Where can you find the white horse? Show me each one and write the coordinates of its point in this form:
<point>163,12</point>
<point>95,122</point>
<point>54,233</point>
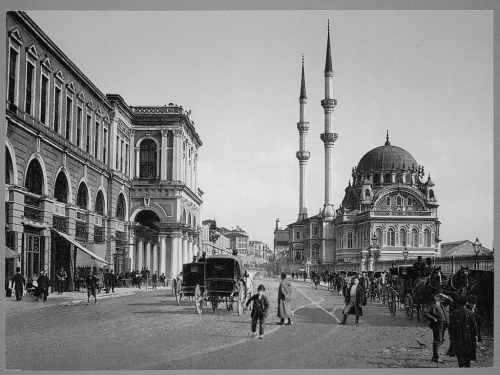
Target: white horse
<point>249,281</point>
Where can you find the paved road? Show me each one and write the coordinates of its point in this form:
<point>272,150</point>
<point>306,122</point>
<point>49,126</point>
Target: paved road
<point>147,330</point>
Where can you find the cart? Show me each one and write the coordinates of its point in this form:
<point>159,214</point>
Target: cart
<point>223,283</point>
<point>193,274</point>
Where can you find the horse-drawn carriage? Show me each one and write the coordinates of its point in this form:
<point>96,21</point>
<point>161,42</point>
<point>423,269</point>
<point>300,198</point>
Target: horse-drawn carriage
<point>378,285</point>
<point>217,280</point>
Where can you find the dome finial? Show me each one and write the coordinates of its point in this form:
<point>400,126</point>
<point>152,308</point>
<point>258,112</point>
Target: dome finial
<point>387,143</point>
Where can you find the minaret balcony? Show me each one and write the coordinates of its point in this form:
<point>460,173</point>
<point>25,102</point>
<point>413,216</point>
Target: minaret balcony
<point>303,126</point>
<point>303,155</point>
<point>329,103</point>
<point>329,137</point>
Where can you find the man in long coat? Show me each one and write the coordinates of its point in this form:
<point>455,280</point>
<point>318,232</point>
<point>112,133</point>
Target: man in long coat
<point>463,333</point>
<point>18,284</point>
<point>43,286</point>
<point>365,283</point>
<point>284,301</point>
<point>354,299</point>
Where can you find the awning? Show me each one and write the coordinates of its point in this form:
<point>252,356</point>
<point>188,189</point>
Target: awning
<point>81,247</point>
<point>9,253</point>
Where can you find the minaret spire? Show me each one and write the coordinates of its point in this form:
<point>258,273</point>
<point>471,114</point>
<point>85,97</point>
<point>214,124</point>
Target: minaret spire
<point>328,137</point>
<point>302,154</point>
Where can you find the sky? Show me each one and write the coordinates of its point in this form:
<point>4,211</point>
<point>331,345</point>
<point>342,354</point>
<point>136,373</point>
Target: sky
<point>426,77</point>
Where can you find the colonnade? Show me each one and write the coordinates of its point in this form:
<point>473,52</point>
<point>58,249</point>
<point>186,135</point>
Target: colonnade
<point>165,256</point>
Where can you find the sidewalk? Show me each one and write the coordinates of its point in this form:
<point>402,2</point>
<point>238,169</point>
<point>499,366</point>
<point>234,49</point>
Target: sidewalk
<point>70,298</point>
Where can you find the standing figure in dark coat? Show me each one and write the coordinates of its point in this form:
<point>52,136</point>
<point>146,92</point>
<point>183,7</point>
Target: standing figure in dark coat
<point>154,280</point>
<point>113,281</point>
<point>429,268</point>
<point>61,280</point>
<point>438,322</point>
<point>107,281</point>
<point>364,281</point>
<point>77,280</point>
<point>18,284</point>
<point>43,286</point>
<point>463,333</point>
<point>284,301</point>
<point>260,308</point>
<point>92,280</point>
<point>354,298</point>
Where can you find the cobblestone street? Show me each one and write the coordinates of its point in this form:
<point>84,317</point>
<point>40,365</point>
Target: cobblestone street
<point>147,330</point>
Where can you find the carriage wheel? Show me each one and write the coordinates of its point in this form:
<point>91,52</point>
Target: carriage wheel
<point>198,299</point>
<point>409,307</point>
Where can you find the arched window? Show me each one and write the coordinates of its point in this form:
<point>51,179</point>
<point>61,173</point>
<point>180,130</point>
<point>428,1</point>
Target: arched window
<point>378,233</point>
<point>399,201</point>
<point>120,208</point>
<point>34,178</point>
<point>315,251</point>
<point>414,237</point>
<point>402,237</point>
<point>61,188</point>
<point>398,178</point>
<point>8,168</point>
<point>349,240</point>
<point>170,155</point>
<point>427,238</point>
<point>387,178</point>
<point>99,203</point>
<point>431,193</point>
<point>410,201</point>
<point>391,240</point>
<point>147,159</point>
<point>376,179</point>
<point>298,254</point>
<point>408,179</point>
<point>388,202</point>
<point>367,192</point>
<point>82,197</point>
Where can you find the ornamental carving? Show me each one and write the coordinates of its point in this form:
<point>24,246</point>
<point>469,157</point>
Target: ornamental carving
<point>303,126</point>
<point>303,155</point>
<point>328,103</point>
<point>329,137</point>
<point>178,132</point>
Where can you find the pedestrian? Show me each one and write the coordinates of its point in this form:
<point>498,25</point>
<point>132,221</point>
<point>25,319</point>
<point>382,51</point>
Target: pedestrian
<point>463,333</point>
<point>92,286</point>
<point>138,279</point>
<point>100,280</point>
<point>305,275</point>
<point>43,286</point>
<point>154,280</point>
<point>61,280</point>
<point>365,283</point>
<point>354,298</point>
<point>107,281</point>
<point>260,308</point>
<point>113,281</point>
<point>162,279</point>
<point>284,301</point>
<point>18,284</point>
<point>438,323</point>
<point>471,305</point>
<point>429,268</point>
<point>77,280</point>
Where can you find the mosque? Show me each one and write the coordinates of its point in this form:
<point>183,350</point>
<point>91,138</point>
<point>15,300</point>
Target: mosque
<point>388,212</point>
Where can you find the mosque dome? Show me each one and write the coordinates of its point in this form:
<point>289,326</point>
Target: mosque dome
<point>385,158</point>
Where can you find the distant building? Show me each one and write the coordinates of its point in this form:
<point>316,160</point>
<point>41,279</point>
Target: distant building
<point>221,246</point>
<point>461,248</point>
<point>238,239</point>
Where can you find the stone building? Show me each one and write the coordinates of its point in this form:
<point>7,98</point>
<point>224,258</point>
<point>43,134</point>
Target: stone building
<point>238,239</point>
<point>220,246</point>
<point>91,180</point>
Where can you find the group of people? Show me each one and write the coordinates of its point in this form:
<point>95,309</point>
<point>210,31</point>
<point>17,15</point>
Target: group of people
<point>260,306</point>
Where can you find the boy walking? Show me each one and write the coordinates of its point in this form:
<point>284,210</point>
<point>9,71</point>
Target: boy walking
<point>259,310</point>
<point>92,286</point>
<point>438,322</point>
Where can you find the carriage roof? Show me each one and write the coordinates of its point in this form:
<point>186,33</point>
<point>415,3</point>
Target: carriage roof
<point>224,266</point>
<point>193,273</point>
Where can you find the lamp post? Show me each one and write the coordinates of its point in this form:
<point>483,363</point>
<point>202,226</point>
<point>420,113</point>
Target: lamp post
<point>477,248</point>
<point>405,253</point>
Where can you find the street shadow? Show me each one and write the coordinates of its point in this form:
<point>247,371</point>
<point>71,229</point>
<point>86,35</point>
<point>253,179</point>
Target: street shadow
<point>313,315</point>
<point>167,303</point>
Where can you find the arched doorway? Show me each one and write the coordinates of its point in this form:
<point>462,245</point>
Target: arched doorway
<point>148,232</point>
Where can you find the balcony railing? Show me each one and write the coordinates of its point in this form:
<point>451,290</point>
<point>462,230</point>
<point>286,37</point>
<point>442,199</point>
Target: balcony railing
<point>32,209</point>
<point>401,213</point>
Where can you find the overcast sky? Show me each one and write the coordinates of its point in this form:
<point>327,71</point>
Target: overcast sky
<point>425,76</point>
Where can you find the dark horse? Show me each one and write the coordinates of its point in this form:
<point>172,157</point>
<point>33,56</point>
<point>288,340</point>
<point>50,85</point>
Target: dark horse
<point>426,287</point>
<point>457,286</point>
<point>481,285</point>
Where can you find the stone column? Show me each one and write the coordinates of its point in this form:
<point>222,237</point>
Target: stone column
<point>177,167</point>
<point>148,256</point>
<point>185,249</point>
<point>190,249</point>
<point>140,251</point>
<point>163,256</point>
<point>137,165</point>
<point>155,258</point>
<point>175,254</point>
<point>131,252</point>
<point>163,156</point>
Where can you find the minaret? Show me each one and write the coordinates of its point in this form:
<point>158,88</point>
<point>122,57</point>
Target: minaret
<point>328,137</point>
<point>302,155</point>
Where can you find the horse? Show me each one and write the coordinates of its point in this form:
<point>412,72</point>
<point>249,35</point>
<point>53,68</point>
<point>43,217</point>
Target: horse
<point>425,287</point>
<point>380,284</point>
<point>457,285</point>
<point>481,285</point>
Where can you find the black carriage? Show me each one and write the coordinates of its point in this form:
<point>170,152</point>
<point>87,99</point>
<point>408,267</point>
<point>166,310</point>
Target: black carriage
<point>404,286</point>
<point>223,282</point>
<point>193,274</point>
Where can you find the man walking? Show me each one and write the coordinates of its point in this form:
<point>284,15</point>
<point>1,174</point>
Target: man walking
<point>92,281</point>
<point>154,279</point>
<point>43,286</point>
<point>18,284</point>
<point>463,333</point>
<point>354,297</point>
<point>365,283</point>
<point>438,322</point>
<point>61,280</point>
<point>284,301</point>
<point>77,280</point>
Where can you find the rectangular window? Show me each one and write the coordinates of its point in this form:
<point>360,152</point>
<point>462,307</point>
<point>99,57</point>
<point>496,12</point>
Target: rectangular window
<point>29,87</point>
<point>126,160</point>
<point>69,111</point>
<point>96,139</point>
<point>298,235</point>
<point>43,100</point>
<point>12,76</point>
<point>105,144</point>
<point>121,156</point>
<point>57,104</point>
<point>117,151</point>
<point>89,120</point>
<point>79,112</point>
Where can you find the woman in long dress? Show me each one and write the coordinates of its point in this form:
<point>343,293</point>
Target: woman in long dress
<point>284,301</point>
